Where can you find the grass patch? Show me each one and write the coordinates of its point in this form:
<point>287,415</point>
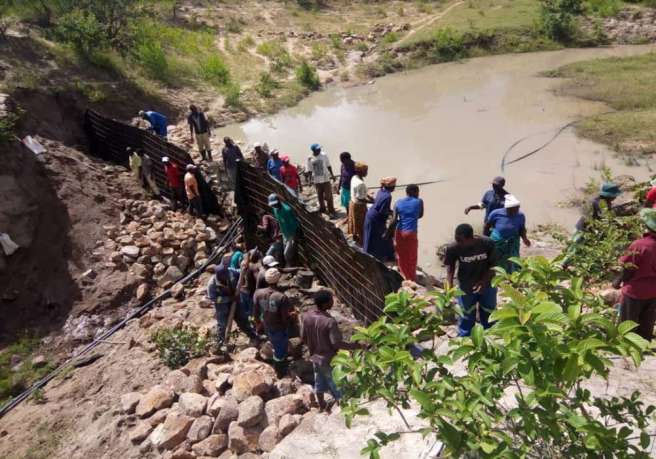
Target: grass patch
<point>628,86</point>
<point>13,382</point>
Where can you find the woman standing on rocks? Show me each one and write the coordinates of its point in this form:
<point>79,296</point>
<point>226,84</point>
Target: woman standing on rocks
<point>507,226</point>
<point>375,240</point>
<point>405,225</point>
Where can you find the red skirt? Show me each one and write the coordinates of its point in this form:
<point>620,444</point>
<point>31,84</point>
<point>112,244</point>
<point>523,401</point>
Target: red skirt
<point>407,245</point>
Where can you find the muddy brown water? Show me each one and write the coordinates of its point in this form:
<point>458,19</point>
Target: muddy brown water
<point>454,122</point>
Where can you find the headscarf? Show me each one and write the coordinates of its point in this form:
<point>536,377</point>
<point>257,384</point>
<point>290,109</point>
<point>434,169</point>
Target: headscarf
<point>361,168</point>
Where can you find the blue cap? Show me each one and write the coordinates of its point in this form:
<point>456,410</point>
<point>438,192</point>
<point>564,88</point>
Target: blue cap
<point>315,147</point>
<point>609,190</point>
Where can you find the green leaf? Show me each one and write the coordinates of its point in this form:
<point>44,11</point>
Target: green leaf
<point>571,369</point>
<point>637,340</point>
<point>422,398</point>
<point>645,439</point>
<point>547,307</point>
<point>488,447</point>
<point>626,327</point>
<point>504,313</point>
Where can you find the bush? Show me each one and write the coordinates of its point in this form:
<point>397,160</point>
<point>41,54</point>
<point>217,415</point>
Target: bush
<point>604,8</point>
<point>81,30</point>
<point>266,85</point>
<point>277,54</point>
<point>516,390</point>
<point>448,45</point>
<point>307,76</point>
<point>558,18</point>
<point>177,346</point>
<point>152,58</point>
<point>7,127</point>
<point>234,25</point>
<point>214,70</point>
<point>390,38</point>
<point>232,93</point>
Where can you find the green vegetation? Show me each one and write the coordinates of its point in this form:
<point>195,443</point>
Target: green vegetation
<point>177,346</point>
<point>626,85</point>
<point>266,85</point>
<point>14,381</point>
<point>515,390</point>
<point>7,125</point>
<point>280,60</point>
<point>307,76</point>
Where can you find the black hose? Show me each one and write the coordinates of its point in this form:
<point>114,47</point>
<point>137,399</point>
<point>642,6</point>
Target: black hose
<point>229,237</point>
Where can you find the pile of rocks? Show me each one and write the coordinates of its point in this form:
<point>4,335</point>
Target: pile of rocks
<point>632,25</point>
<point>213,407</point>
<point>158,245</point>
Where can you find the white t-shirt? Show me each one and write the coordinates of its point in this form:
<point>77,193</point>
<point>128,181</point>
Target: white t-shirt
<point>319,165</point>
<point>358,189</point>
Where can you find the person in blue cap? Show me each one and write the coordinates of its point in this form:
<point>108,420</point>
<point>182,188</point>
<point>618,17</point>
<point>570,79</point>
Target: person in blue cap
<point>158,122</point>
<point>288,224</point>
<point>318,165</point>
<point>603,202</point>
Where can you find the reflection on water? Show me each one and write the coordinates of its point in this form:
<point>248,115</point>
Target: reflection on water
<point>454,121</point>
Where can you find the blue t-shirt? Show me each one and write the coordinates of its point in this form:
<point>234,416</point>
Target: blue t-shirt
<point>158,122</point>
<point>408,210</point>
<point>507,226</point>
<point>492,201</point>
<point>273,166</point>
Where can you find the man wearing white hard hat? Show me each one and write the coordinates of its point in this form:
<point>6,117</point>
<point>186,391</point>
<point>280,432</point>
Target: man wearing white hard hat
<point>271,311</point>
<point>506,227</point>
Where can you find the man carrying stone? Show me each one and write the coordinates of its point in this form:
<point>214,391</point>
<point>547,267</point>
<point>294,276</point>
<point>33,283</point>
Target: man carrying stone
<point>271,310</point>
<point>320,333</point>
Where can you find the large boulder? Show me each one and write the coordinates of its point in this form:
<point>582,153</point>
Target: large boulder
<point>200,429</point>
<point>228,412</point>
<point>156,398</point>
<point>251,382</point>
<point>172,431</point>
<point>288,423</point>
<point>242,439</point>
<point>192,404</point>
<point>129,402</point>
<point>181,382</point>
<point>268,439</point>
<point>140,432</point>
<point>278,407</point>
<point>212,446</point>
<point>251,411</point>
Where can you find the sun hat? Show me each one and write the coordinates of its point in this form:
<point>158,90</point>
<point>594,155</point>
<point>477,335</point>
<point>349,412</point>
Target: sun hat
<point>273,199</point>
<point>648,217</point>
<point>388,181</point>
<point>165,159</point>
<point>609,190</point>
<point>269,261</point>
<point>272,276</point>
<point>315,147</point>
<point>511,201</point>
<point>284,158</point>
<point>499,181</point>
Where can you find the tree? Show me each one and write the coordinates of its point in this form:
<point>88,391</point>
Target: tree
<point>559,18</point>
<point>549,339</point>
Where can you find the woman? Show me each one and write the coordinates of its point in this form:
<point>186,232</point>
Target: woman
<point>348,170</point>
<point>405,224</point>
<point>358,204</point>
<point>375,224</point>
<point>289,174</point>
<point>507,226</point>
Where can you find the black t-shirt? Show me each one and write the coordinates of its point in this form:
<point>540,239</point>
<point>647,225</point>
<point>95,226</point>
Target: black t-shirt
<point>473,261</point>
<point>198,122</point>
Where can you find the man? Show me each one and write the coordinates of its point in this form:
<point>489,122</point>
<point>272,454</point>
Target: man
<point>135,163</point>
<point>221,290</point>
<point>639,279</point>
<point>199,126</point>
<point>193,195</point>
<point>474,257</point>
<point>405,227</point>
<point>288,225</point>
<point>603,202</point>
<point>158,122</point>
<point>358,205</point>
<point>249,270</point>
<point>320,333</point>
<point>289,174</point>
<point>321,172</point>
<point>492,199</point>
<point>231,153</point>
<point>347,172</point>
<point>268,262</point>
<point>147,173</point>
<point>271,309</point>
<point>260,155</point>
<point>274,164</point>
<point>650,199</point>
<point>174,181</point>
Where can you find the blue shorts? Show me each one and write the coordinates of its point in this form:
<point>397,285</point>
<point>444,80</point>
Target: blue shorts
<point>323,380</point>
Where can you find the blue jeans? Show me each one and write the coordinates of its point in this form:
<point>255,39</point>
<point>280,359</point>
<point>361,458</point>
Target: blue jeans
<point>487,302</point>
<point>246,303</point>
<point>279,341</point>
<point>323,380</point>
<point>222,312</point>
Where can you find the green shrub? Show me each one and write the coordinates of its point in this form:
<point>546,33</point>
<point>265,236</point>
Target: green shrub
<point>7,127</point>
<point>447,45</point>
<point>516,390</point>
<point>319,51</point>
<point>232,93</point>
<point>153,60</point>
<point>307,76</point>
<point>245,43</point>
<point>558,18</point>
<point>604,8</point>
<point>214,70</point>
<point>266,85</point>
<point>82,31</point>
<point>177,346</point>
<point>390,38</point>
<point>277,54</point>
<point>234,25</point>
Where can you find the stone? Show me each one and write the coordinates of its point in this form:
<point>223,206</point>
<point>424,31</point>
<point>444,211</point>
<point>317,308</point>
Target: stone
<point>159,417</point>
<point>177,291</point>
<point>212,446</point>
<point>158,397</point>
<point>142,292</point>
<point>200,429</point>
<point>611,296</point>
<point>306,394</point>
<point>288,423</point>
<point>278,407</point>
<point>180,382</point>
<point>268,438</point>
<point>242,439</point>
<point>223,382</point>
<point>172,432</point>
<point>129,402</point>
<point>182,453</point>
<point>172,274</point>
<point>192,404</point>
<point>285,386</point>
<point>140,432</point>
<point>130,251</point>
<point>39,361</point>
<point>159,269</point>
<point>209,388</point>
<point>295,348</point>
<point>214,370</point>
<point>252,382</point>
<point>228,412</point>
<point>250,353</point>
<point>251,411</point>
